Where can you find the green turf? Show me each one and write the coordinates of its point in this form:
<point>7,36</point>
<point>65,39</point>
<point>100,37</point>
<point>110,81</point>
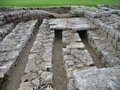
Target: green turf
<point>55,2</point>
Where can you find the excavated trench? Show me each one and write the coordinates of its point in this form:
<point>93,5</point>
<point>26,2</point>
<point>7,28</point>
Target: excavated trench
<point>96,58</point>
<point>62,73</point>
<point>14,79</point>
<point>59,74</point>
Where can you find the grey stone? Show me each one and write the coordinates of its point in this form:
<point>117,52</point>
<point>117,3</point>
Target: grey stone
<point>70,85</point>
<point>70,23</point>
<point>84,56</point>
<point>9,56</point>
<point>77,37</point>
<point>112,60</point>
<point>117,36</point>
<point>46,77</point>
<point>76,45</point>
<point>114,42</point>
<point>112,33</point>
<point>49,87</point>
<point>46,66</point>
<point>110,38</point>
<point>18,38</point>
<point>36,82</point>
<point>47,55</point>
<point>31,65</point>
<point>25,86</point>
<point>29,77</point>
<point>97,79</point>
<point>5,29</point>
<point>118,45</point>
<point>1,18</point>
<point>4,68</point>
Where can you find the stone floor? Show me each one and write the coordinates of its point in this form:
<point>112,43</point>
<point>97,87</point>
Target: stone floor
<point>77,50</point>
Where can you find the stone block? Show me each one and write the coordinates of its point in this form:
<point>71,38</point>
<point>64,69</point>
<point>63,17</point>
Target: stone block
<point>97,79</point>
<point>77,37</point>
<point>5,67</point>
<point>114,43</point>
<point>112,33</point>
<point>1,18</point>
<point>118,45</point>
<point>117,36</point>
<point>1,23</point>
<point>110,38</point>
<point>105,34</point>
<point>76,45</point>
<point>70,85</point>
<point>84,56</point>
<point>111,60</point>
<point>9,56</point>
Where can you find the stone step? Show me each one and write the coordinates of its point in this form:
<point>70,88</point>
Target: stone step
<point>75,24</point>
<point>38,71</point>
<point>97,78</point>
<point>12,45</point>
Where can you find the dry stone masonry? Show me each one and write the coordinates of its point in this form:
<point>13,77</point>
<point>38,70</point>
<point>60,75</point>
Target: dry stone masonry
<point>80,26</point>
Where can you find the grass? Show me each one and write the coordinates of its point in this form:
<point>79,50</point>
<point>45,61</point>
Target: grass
<point>29,3</point>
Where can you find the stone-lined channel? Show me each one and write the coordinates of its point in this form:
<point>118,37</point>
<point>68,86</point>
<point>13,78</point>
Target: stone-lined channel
<point>96,58</point>
<point>59,75</point>
<point>14,79</point>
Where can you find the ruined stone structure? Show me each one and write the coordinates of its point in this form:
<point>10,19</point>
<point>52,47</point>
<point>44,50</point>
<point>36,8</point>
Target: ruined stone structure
<point>60,48</point>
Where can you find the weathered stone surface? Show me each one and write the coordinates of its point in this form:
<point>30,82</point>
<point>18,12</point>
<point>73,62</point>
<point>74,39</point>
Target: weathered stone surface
<point>29,77</point>
<point>5,29</point>
<point>16,41</point>
<point>47,77</point>
<point>8,56</point>
<point>31,65</point>
<point>77,37</point>
<point>83,56</point>
<point>71,23</point>
<point>76,45</point>
<point>25,86</point>
<point>4,68</point>
<point>70,85</point>
<point>36,82</point>
<point>49,88</point>
<point>18,38</point>
<point>97,79</point>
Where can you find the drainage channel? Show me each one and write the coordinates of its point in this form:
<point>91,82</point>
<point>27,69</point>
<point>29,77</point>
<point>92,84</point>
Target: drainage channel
<point>14,79</point>
<point>59,74</point>
<point>96,58</point>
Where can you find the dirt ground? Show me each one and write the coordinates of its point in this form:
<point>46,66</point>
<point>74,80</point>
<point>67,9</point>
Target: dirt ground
<point>59,75</point>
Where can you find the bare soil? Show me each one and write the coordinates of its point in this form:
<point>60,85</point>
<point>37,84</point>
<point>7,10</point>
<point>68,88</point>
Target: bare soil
<point>59,74</point>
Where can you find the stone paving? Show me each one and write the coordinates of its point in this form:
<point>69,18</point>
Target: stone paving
<point>102,26</point>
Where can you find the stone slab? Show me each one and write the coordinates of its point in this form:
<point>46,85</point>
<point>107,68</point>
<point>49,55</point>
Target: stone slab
<point>97,79</point>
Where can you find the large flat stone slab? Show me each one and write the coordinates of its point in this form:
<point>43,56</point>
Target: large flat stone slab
<point>71,23</point>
